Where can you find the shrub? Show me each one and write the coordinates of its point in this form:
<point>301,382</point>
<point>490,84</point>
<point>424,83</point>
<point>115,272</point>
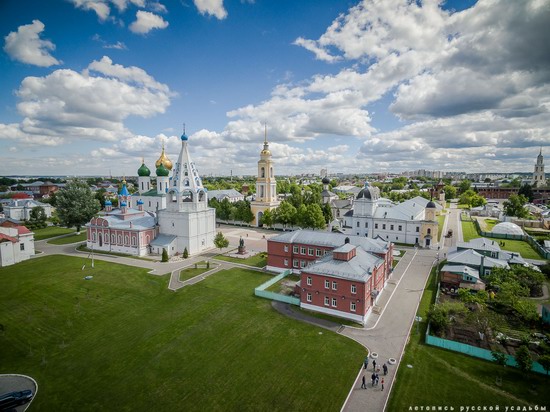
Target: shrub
<point>164,255</point>
<point>185,253</point>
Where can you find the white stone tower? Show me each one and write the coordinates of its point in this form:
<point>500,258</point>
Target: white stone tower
<point>266,185</point>
<point>187,215</point>
<point>539,178</point>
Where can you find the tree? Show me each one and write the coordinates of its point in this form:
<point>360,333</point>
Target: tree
<point>524,359</point>
<point>76,204</point>
<point>37,218</point>
<point>220,241</point>
<point>185,253</point>
<point>164,255</point>
<point>267,218</point>
<point>450,192</point>
<point>471,198</point>
<point>314,217</point>
<point>544,361</point>
<point>464,186</point>
<point>527,191</point>
<point>327,212</point>
<point>285,214</point>
<point>499,357</point>
<point>514,206</point>
<point>224,210</point>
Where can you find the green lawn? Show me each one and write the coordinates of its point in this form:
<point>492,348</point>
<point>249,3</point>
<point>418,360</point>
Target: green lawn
<point>51,231</point>
<point>83,248</point>
<point>444,378</point>
<point>258,260</point>
<point>469,232</point>
<point>74,238</point>
<point>191,272</point>
<point>123,341</point>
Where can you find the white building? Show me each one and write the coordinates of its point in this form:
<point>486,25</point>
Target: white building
<point>230,194</point>
<point>21,209</point>
<point>411,222</point>
<point>16,245</point>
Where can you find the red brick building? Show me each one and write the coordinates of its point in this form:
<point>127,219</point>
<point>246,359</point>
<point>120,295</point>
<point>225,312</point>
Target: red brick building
<point>340,275</point>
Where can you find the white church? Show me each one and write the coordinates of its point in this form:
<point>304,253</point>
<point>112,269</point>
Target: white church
<point>173,216</point>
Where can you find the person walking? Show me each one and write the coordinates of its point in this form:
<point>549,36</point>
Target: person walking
<point>376,379</point>
<point>373,378</point>
<point>374,364</point>
<point>366,362</point>
<point>382,383</point>
<point>363,384</point>
<point>385,369</point>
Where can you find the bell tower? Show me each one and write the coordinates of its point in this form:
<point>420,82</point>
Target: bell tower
<point>266,185</point>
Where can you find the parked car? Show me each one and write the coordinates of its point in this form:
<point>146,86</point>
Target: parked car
<point>13,399</point>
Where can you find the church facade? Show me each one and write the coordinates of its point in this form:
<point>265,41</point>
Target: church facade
<point>174,216</point>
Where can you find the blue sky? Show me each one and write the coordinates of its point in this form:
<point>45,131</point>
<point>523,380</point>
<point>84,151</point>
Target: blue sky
<point>94,85</point>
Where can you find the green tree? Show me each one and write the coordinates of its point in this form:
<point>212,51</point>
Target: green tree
<point>499,357</point>
<point>327,212</point>
<point>267,218</point>
<point>527,191</point>
<point>301,213</point>
<point>524,359</point>
<point>514,206</point>
<point>76,204</point>
<point>450,192</point>
<point>243,212</point>
<point>471,198</point>
<point>37,218</point>
<point>220,241</point>
<point>185,253</point>
<point>464,186</point>
<point>544,361</point>
<point>100,196</point>
<point>164,255</point>
<point>314,217</point>
<point>285,214</point>
<point>224,211</point>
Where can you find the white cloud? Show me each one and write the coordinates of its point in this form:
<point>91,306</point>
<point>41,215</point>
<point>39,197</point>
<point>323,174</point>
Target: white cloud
<point>92,105</point>
<point>26,46</point>
<point>211,7</point>
<point>147,21</point>
<point>100,7</point>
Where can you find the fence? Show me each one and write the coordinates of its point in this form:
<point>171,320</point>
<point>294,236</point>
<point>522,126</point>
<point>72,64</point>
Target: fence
<point>527,238</point>
<point>474,351</point>
<point>262,293</point>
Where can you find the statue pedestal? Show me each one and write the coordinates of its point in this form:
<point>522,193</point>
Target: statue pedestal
<point>242,250</point>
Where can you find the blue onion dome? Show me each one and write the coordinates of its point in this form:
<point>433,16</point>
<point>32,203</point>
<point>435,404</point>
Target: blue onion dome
<point>124,190</point>
<point>162,170</point>
<point>184,137</point>
<point>108,203</point>
<point>140,202</point>
<point>123,204</point>
<point>144,170</point>
<point>430,205</point>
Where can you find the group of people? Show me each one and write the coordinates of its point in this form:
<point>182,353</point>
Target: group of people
<point>375,378</point>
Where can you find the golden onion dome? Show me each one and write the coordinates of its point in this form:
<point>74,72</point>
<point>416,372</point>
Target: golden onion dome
<point>167,163</point>
<point>265,152</point>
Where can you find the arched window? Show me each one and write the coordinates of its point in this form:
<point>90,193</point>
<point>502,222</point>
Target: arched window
<point>93,237</point>
<point>202,195</point>
<point>186,182</point>
<point>147,239</point>
<point>429,231</point>
<point>187,196</point>
<point>113,239</point>
<point>271,172</point>
<point>126,240</point>
<point>120,239</point>
<point>134,241</point>
<point>262,172</point>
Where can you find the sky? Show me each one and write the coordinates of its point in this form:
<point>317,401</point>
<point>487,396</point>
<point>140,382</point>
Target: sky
<point>90,87</point>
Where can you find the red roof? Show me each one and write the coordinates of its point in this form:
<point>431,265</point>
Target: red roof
<point>6,238</point>
<point>21,196</point>
<point>22,230</point>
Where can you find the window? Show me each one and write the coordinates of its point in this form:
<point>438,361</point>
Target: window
<point>366,224</point>
<point>286,248</point>
<point>327,302</point>
<point>353,289</point>
<point>400,228</point>
<point>309,281</point>
<point>295,263</point>
<point>318,252</point>
<point>352,306</point>
<point>327,284</point>
<point>326,251</point>
<point>310,251</point>
<point>295,249</point>
<point>357,224</point>
<point>376,225</point>
<point>429,231</point>
<point>286,262</point>
<point>302,263</point>
<point>334,302</point>
<point>417,229</point>
<point>134,241</point>
<point>384,226</point>
<point>113,238</point>
<point>308,297</point>
<point>391,227</point>
<point>21,246</point>
<point>334,285</point>
<point>303,250</point>
<point>126,240</point>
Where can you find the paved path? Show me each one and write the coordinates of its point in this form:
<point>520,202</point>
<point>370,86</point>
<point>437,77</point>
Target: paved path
<point>14,382</point>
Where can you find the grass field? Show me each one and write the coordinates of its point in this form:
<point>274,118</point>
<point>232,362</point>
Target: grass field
<point>258,260</point>
<point>51,231</point>
<point>191,272</point>
<point>123,341</point>
<point>444,378</point>
<point>74,238</point>
<point>469,232</point>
